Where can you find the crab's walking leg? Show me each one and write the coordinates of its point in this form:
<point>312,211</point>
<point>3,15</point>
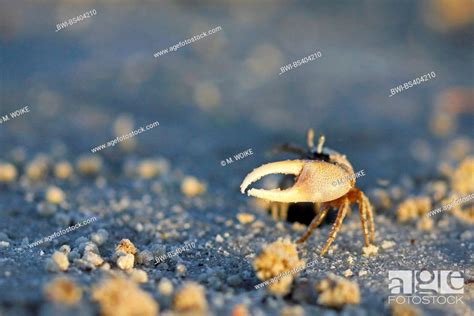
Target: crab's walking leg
<point>317,208</point>
<point>314,223</point>
<point>284,211</point>
<point>370,217</point>
<point>274,210</point>
<point>337,225</point>
<point>363,216</point>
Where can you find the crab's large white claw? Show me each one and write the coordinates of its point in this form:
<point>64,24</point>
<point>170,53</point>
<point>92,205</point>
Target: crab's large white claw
<point>313,182</point>
<point>283,167</point>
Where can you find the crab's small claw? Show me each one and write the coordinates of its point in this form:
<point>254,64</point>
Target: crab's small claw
<point>311,183</point>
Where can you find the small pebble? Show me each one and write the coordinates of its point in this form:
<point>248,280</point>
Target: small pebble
<point>126,246</point>
<point>336,292</point>
<point>100,237</point>
<point>93,258</point>
<point>4,244</point>
<point>37,169</point>
<point>63,291</point>
<point>348,273</point>
<point>239,310</point>
<point>121,297</point>
<point>363,272</point>
<point>219,238</point>
<point>57,262</point>
<point>89,165</point>
<point>165,287</point>
<point>63,170</point>
<point>105,266</point>
<point>425,224</point>
<point>126,261</point>
<point>298,227</point>
<point>192,187</point>
<point>371,250</point>
<point>65,249</point>
<point>55,195</point>
<point>350,260</point>
<point>180,270</point>
<point>191,297</point>
<point>8,172</point>
<point>245,218</point>
<point>386,244</point>
<point>151,168</point>
<point>138,276</point>
<point>88,246</point>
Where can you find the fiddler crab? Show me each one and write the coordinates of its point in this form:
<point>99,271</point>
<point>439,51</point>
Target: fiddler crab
<point>315,174</point>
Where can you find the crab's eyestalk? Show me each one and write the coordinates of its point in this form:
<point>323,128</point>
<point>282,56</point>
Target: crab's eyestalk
<point>321,141</point>
<point>310,138</point>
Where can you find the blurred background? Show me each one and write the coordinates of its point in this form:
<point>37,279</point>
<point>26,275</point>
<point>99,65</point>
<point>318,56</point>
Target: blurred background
<point>91,81</point>
<point>97,79</point>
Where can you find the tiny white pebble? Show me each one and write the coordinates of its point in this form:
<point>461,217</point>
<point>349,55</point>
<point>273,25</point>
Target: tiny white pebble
<point>362,273</point>
<point>139,276</point>
<point>180,269</point>
<point>105,266</point>
<point>219,238</point>
<point>371,250</point>
<point>100,237</point>
<point>55,195</point>
<point>57,262</point>
<point>387,244</point>
<point>66,249</point>
<point>4,244</point>
<point>126,262</point>
<point>350,260</point>
<point>93,258</point>
<point>165,287</point>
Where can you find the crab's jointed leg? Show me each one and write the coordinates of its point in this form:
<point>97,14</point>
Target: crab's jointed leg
<point>284,211</point>
<point>337,225</point>
<point>370,217</point>
<point>274,210</point>
<point>314,223</point>
<point>365,213</point>
<point>363,218</point>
